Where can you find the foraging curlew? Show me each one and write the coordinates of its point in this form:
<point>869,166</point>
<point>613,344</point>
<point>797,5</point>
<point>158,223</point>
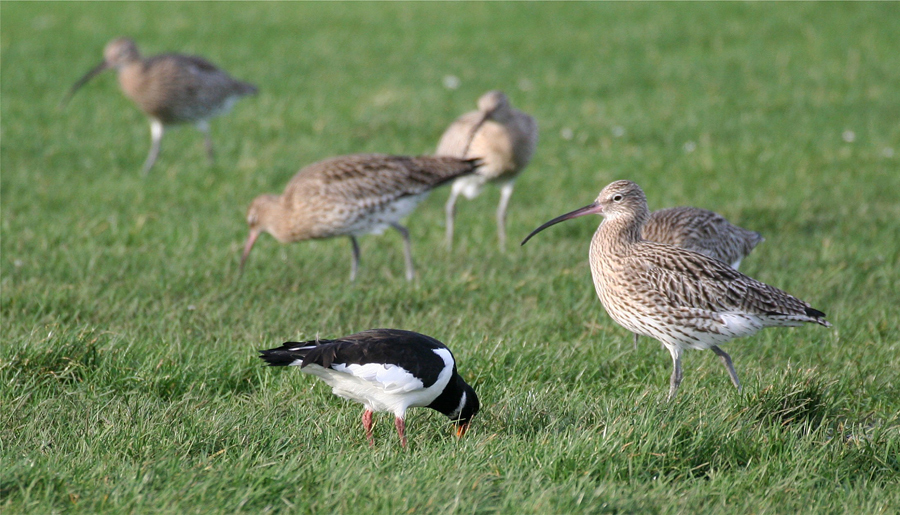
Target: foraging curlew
<point>170,88</point>
<point>702,231</point>
<point>351,196</point>
<point>681,298</point>
<point>386,370</point>
<point>504,138</point>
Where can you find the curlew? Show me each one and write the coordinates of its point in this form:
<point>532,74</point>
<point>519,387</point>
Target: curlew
<point>171,89</point>
<point>350,196</point>
<point>684,299</point>
<point>702,231</point>
<point>386,370</point>
<point>504,138</point>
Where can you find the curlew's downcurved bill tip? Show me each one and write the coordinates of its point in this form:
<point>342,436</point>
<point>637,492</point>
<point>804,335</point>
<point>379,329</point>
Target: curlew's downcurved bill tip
<point>248,247</point>
<point>591,209</point>
<point>82,81</point>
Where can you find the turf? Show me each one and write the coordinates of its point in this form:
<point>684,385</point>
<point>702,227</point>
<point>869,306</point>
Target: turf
<point>129,380</point>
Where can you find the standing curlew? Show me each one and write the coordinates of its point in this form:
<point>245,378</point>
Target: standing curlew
<point>504,138</point>
<point>171,88</point>
<point>351,196</point>
<point>702,231</point>
<point>386,370</point>
<point>681,298</point>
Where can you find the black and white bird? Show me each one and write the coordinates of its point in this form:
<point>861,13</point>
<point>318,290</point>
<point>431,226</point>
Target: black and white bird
<point>385,370</point>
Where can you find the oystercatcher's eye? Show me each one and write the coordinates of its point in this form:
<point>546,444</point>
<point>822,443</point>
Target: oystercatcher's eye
<point>617,198</point>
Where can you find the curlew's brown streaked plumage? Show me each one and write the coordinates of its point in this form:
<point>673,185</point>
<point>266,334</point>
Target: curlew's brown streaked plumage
<point>350,196</point>
<point>504,138</point>
<point>681,298</point>
<point>171,89</point>
<point>702,231</point>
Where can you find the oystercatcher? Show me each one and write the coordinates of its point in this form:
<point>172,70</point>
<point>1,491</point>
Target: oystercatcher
<point>385,370</point>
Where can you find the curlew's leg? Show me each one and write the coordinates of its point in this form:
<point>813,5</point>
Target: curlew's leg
<point>203,126</point>
<point>636,336</point>
<point>401,430</point>
<point>675,380</point>
<point>368,424</point>
<point>156,134</point>
<point>726,360</point>
<point>407,251</point>
<point>505,192</point>
<point>450,210</point>
<point>354,266</point>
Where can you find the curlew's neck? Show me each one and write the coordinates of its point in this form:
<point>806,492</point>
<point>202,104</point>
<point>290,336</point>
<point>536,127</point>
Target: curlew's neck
<point>620,230</point>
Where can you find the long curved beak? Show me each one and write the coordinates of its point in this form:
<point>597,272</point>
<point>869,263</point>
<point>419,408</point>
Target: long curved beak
<point>591,209</point>
<point>461,430</point>
<point>82,81</point>
<point>248,247</point>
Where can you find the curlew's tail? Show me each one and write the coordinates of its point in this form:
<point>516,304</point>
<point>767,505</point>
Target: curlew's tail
<point>439,170</point>
<point>817,316</point>
<point>245,88</point>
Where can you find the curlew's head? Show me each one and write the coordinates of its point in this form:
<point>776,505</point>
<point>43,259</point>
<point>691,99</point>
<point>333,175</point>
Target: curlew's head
<point>259,217</point>
<point>617,200</point>
<point>117,53</point>
<point>623,198</point>
<point>492,102</point>
<point>120,52</point>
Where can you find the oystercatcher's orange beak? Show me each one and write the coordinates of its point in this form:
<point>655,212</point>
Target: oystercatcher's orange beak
<point>461,430</point>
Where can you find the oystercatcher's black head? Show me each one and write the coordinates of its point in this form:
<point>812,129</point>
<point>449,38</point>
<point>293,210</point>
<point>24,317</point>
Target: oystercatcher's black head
<point>459,402</point>
<point>470,407</point>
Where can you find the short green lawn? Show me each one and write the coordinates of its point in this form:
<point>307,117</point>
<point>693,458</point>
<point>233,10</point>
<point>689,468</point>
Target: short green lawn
<point>128,373</point>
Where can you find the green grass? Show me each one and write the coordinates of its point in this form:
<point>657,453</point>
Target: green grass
<point>128,375</point>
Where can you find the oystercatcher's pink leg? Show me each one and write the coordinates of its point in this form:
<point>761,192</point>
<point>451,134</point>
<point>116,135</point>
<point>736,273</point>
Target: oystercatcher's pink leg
<point>401,430</point>
<point>368,424</point>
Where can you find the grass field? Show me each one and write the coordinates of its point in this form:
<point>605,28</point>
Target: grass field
<point>129,380</point>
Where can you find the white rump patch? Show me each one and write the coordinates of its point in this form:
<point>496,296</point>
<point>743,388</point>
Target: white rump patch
<point>469,185</point>
<point>738,325</point>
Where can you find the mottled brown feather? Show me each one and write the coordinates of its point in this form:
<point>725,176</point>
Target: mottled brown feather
<point>702,231</point>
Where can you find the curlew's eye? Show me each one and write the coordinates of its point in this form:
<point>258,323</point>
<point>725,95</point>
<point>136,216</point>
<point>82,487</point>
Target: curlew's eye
<point>617,197</point>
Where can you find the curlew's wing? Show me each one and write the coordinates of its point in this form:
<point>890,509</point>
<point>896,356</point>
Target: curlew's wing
<point>702,231</point>
<point>176,88</point>
<point>379,178</point>
<point>688,280</point>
